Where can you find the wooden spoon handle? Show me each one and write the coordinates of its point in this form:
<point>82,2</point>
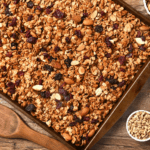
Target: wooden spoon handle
<point>43,140</point>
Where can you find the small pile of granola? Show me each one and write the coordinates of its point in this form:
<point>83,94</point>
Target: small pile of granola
<point>68,62</point>
<point>139,125</point>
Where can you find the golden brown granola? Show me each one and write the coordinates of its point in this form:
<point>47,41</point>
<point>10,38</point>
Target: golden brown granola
<point>68,62</point>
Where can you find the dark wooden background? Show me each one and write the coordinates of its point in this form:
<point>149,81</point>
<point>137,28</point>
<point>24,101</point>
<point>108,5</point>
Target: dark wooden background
<point>116,139</point>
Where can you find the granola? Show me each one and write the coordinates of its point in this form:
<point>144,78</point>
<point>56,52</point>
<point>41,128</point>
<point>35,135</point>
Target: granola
<point>148,4</point>
<point>139,125</point>
<point>68,62</point>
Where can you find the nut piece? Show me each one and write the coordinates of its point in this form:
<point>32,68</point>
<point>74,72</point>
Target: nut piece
<point>94,14</point>
<point>98,91</point>
<point>69,81</point>
<point>140,41</point>
<point>56,64</point>
<point>81,70</point>
<point>81,47</point>
<point>76,18</point>
<point>56,96</point>
<point>91,133</point>
<point>66,136</point>
<point>83,112</point>
<point>88,22</point>
<point>94,70</point>
<point>74,63</point>
<point>144,28</point>
<point>37,87</point>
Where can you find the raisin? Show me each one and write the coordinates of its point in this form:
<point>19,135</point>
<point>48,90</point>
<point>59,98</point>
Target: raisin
<point>68,62</point>
<point>58,14</point>
<point>100,78</point>
<point>17,82</point>
<point>86,118</point>
<point>11,85</point>
<point>72,124</point>
<point>43,94</point>
<point>30,4</point>
<point>94,121</point>
<point>13,23</point>
<point>28,34</point>
<point>130,48</point>
<point>48,68</point>
<point>30,108</point>
<point>48,11</point>
<point>59,105</point>
<point>32,40</point>
<point>122,60</point>
<point>8,12</point>
<point>62,91</point>
<point>20,73</point>
<point>99,28</point>
<point>111,80</point>
<point>56,49</point>
<point>78,33</point>
<point>115,26</point>
<point>58,76</point>
<point>4,68</point>
<point>30,18</point>
<point>40,82</point>
<point>68,40</point>
<point>51,58</point>
<point>122,83</point>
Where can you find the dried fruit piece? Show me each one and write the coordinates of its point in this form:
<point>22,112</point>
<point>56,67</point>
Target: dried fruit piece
<point>86,118</point>
<point>58,14</point>
<point>111,80</point>
<point>99,28</point>
<point>4,68</point>
<point>30,4</point>
<point>30,18</point>
<point>48,10</point>
<point>16,1</point>
<point>122,83</point>
<point>30,108</point>
<point>14,46</point>
<point>122,60</point>
<point>17,82</point>
<point>0,43</point>
<point>72,124</point>
<point>8,12</point>
<point>13,22</point>
<point>78,33</point>
<point>94,121</point>
<point>32,40</point>
<point>48,68</point>
<point>20,73</point>
<point>59,105</point>
<point>100,78</point>
<point>58,76</point>
<point>40,82</point>
<point>68,62</point>
<point>56,49</point>
<point>115,26</point>
<point>68,40</point>
<point>11,85</point>
<point>130,48</point>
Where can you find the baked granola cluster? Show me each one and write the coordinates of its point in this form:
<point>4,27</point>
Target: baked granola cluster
<point>68,62</point>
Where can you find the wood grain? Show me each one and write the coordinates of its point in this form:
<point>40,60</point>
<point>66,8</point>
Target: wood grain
<point>116,139</point>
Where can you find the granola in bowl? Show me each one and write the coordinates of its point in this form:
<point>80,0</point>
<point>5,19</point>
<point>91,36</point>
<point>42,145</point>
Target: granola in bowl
<point>68,62</point>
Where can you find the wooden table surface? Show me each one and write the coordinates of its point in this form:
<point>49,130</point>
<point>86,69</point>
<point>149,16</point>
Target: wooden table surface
<point>116,139</point>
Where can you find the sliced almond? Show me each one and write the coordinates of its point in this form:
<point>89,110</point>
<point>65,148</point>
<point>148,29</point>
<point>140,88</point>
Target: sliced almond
<point>66,136</point>
<point>68,81</point>
<point>56,64</point>
<point>74,63</point>
<point>76,18</point>
<point>88,22</point>
<point>91,133</point>
<point>98,91</point>
<point>37,87</point>
<point>94,14</point>
<point>144,28</point>
<point>81,47</point>
<point>140,41</point>
<point>81,70</point>
<point>113,18</point>
<point>56,96</point>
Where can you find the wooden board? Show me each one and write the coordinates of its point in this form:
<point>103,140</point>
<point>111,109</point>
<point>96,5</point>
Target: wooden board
<point>116,139</point>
